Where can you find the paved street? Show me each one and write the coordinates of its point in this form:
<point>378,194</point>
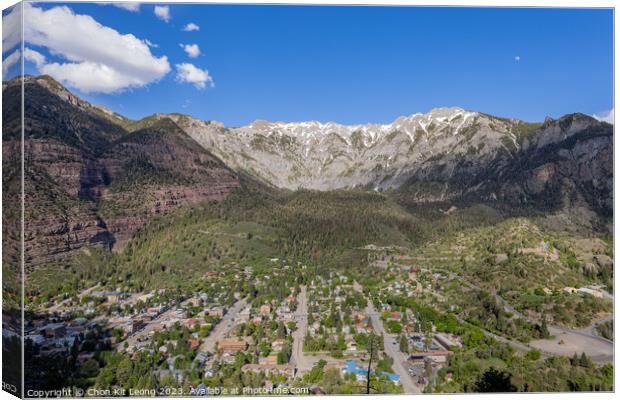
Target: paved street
<point>391,348</point>
<point>223,327</point>
<point>143,333</point>
<point>301,318</point>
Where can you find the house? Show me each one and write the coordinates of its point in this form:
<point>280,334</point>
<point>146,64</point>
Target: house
<point>282,310</point>
<point>191,323</point>
<point>265,309</point>
<point>439,359</point>
<point>395,315</point>
<point>436,356</point>
<point>154,310</point>
<point>277,344</point>
<point>55,330</point>
<point>351,345</point>
<point>232,346</point>
<point>286,370</point>
<point>216,312</point>
<point>111,297</point>
<point>362,327</point>
<point>146,317</point>
<point>271,359</point>
<point>194,343</point>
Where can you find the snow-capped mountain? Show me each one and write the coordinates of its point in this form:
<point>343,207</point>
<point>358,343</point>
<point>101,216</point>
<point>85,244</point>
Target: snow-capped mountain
<point>325,156</point>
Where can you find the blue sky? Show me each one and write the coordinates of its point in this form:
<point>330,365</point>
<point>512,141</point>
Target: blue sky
<point>343,64</point>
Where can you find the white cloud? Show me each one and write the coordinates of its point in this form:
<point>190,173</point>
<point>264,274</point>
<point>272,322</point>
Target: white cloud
<point>129,6</point>
<point>517,58</point>
<point>163,13</point>
<point>12,28</point>
<point>9,61</point>
<point>96,58</point>
<point>150,44</point>
<point>605,116</point>
<point>191,27</point>
<point>35,57</point>
<point>189,73</point>
<point>192,50</point>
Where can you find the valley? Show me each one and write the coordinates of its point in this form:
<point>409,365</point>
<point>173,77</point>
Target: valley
<point>439,253</point>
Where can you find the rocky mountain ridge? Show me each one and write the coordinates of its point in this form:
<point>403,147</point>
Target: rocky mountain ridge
<point>329,156</point>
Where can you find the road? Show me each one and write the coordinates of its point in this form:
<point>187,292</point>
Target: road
<point>134,339</point>
<point>58,307</point>
<point>223,327</point>
<point>298,358</point>
<point>304,362</point>
<point>573,341</point>
<point>391,348</point>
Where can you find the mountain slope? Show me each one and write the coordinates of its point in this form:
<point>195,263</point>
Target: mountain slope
<point>328,156</point>
<point>89,181</point>
<point>565,162</point>
<point>446,155</point>
<point>94,177</point>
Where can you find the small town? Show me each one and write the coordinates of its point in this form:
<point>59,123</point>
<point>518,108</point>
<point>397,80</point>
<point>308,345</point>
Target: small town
<point>274,333</point>
<point>272,327</point>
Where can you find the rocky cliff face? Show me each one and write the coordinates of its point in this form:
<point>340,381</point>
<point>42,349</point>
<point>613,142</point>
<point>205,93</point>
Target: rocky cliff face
<point>565,166</point>
<point>329,156</point>
<point>90,182</point>
<point>446,155</point>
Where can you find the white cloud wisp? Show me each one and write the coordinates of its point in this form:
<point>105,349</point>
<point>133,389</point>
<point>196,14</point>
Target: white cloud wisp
<point>163,13</point>
<point>192,50</point>
<point>189,73</point>
<point>96,58</point>
<point>605,116</point>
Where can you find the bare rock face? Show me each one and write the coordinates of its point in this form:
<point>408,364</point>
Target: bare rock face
<point>567,163</point>
<point>326,156</point>
<point>446,155</point>
<point>88,181</point>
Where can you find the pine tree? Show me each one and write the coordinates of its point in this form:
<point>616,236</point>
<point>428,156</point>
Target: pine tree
<point>404,344</point>
<point>544,331</point>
